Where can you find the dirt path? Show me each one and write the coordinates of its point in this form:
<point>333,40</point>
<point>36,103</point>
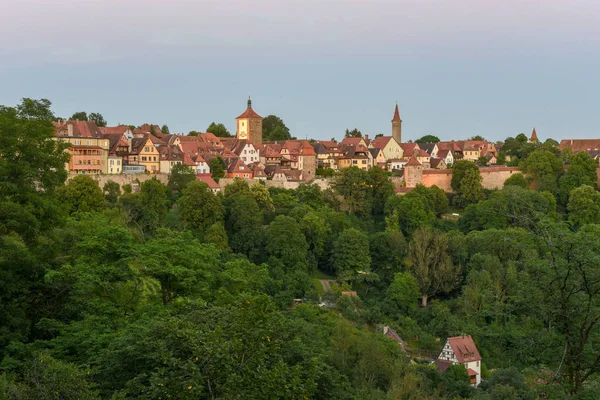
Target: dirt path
<point>326,283</point>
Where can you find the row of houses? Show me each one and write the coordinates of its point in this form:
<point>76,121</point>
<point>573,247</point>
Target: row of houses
<point>120,149</point>
<point>387,153</point>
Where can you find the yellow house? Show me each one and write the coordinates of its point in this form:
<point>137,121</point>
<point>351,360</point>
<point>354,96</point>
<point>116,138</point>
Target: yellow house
<point>143,152</point>
<point>389,146</point>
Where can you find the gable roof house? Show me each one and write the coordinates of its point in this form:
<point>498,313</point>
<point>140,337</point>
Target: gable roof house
<point>391,149</point>
<point>447,156</point>
<point>143,152</point>
<point>461,350</point>
<point>356,156</point>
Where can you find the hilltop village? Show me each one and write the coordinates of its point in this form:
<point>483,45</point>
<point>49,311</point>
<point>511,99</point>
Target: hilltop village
<point>129,150</point>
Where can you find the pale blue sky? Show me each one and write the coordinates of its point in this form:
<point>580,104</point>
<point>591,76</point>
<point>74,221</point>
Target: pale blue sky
<point>456,68</point>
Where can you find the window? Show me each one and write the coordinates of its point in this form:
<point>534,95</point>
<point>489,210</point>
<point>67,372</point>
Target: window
<point>354,162</point>
<point>144,158</point>
<point>89,142</point>
<point>364,161</point>
<point>147,149</point>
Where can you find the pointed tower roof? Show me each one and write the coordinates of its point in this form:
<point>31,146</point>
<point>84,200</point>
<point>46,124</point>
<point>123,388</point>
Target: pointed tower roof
<point>533,136</point>
<point>396,114</point>
<point>249,113</point>
<point>413,162</point>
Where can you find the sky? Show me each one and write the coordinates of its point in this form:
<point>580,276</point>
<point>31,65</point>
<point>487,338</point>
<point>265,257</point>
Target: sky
<point>456,68</point>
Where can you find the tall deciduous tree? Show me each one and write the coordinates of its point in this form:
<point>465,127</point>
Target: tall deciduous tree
<point>82,194</point>
<point>217,168</point>
<point>200,208</point>
<point>154,201</point>
<point>112,191</point>
<point>285,240</point>
<point>544,168</point>
<point>79,116</point>
<point>350,253</point>
<point>98,119</point>
<point>181,175</point>
<point>218,130</point>
<point>431,265</point>
<point>428,139</point>
<point>353,133</point>
<point>584,206</point>
<point>244,225</point>
<point>273,128</point>
<point>582,171</point>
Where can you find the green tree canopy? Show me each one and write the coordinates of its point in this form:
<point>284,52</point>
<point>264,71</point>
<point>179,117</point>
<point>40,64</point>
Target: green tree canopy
<point>98,119</point>
<point>79,116</point>
<point>353,133</point>
<point>431,265</point>
<point>516,180</point>
<point>82,194</point>
<point>285,240</point>
<point>544,168</point>
<point>273,128</point>
<point>218,130</point>
<point>581,171</point>
<point>428,139</point>
<point>217,168</point>
<point>200,208</point>
<point>350,253</point>
<point>181,175</point>
<point>584,206</point>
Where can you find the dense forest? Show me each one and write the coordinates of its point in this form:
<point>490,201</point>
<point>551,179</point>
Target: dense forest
<point>174,292</point>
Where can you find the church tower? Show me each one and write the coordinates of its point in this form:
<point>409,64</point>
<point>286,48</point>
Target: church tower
<point>249,125</point>
<point>397,126</point>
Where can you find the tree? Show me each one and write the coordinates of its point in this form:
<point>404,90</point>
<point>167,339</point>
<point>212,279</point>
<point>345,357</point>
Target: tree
<point>261,194</point>
<point>98,119</point>
<point>428,139</point>
<point>477,138</point>
<point>584,206</point>
<point>180,264</point>
<point>431,265</point>
<point>165,129</point>
<point>353,133</point>
<point>317,233</point>
<point>381,189</point>
<point>82,194</point>
<point>403,292</point>
<point>285,240</point>
<point>180,176</point>
<point>516,180</point>
<point>238,185</point>
<point>409,212</point>
<point>459,170</point>
<point>153,198</point>
<point>567,295</point>
<point>218,130</point>
<point>545,168</point>
<point>112,191</point>
<point>193,133</point>
<point>79,116</point>
<point>244,225</point>
<point>200,208</point>
<point>581,171</point>
<point>437,199</point>
<point>470,189</point>
<point>273,128</point>
<point>388,250</point>
<point>217,235</point>
<point>217,168</point>
<point>350,254</point>
<point>351,184</point>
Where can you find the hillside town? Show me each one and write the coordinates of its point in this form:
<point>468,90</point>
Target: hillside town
<point>146,149</point>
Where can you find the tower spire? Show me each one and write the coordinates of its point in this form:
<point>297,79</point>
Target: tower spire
<point>249,102</point>
<point>396,114</point>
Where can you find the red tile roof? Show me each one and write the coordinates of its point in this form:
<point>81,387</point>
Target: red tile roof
<point>206,178</point>
<point>464,349</point>
<point>351,141</point>
<point>381,141</point>
<point>413,162</point>
<point>580,144</point>
<point>409,148</point>
<point>249,113</point>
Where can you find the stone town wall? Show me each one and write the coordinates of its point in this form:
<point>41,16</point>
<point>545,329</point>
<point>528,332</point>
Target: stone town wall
<point>438,177</point>
<point>322,183</point>
<point>123,179</point>
<point>492,177</point>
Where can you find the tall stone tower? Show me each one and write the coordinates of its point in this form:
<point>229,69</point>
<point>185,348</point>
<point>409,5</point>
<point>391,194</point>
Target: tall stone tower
<point>397,126</point>
<point>249,125</point>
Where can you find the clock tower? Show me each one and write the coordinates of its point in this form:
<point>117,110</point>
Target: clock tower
<point>249,125</point>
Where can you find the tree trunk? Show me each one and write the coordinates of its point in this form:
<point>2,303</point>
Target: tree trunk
<point>424,301</point>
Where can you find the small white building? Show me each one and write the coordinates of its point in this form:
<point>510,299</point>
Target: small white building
<point>461,350</point>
